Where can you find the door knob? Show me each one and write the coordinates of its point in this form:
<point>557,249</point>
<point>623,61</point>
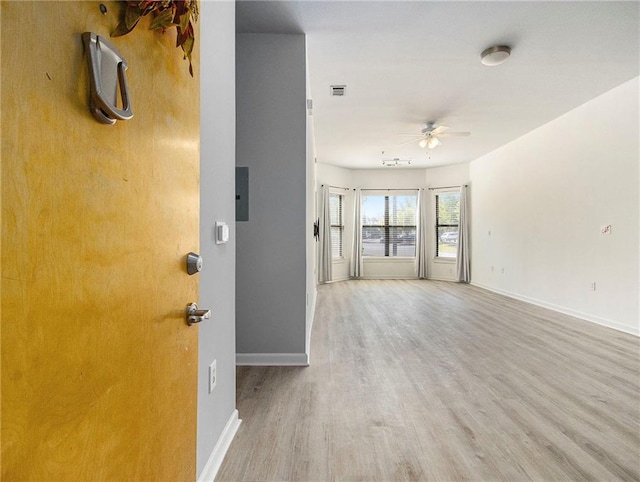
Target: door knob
<point>194,315</point>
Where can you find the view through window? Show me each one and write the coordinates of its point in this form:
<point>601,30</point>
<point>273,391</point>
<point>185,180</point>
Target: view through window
<point>447,223</point>
<point>389,224</point>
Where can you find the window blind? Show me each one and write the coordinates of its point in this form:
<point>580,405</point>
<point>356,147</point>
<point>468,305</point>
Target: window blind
<point>336,202</point>
<point>389,224</point>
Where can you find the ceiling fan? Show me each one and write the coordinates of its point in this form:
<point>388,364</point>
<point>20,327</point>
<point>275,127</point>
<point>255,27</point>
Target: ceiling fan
<point>430,135</point>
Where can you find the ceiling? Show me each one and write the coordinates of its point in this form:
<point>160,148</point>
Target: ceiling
<point>408,63</point>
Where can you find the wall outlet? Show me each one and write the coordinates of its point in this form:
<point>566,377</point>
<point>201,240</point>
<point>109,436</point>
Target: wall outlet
<point>605,229</point>
<point>213,376</point>
<point>593,286</point>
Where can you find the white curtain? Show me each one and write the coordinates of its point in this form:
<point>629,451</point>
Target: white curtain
<point>324,273</point>
<point>463,262</point>
<point>421,236</point>
<point>356,252</point>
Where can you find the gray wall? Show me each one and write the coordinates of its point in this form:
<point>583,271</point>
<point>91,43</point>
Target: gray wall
<point>217,203</point>
<point>311,217</point>
<point>271,246</point>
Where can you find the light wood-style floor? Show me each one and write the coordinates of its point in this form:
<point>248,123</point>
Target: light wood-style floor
<point>424,380</point>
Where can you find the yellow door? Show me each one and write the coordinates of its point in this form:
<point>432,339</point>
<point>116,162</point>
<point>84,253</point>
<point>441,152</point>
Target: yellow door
<point>98,364</point>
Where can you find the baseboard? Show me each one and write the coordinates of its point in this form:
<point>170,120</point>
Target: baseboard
<point>272,359</point>
<point>336,280</point>
<point>391,277</point>
<point>307,346</point>
<point>561,309</point>
<point>452,280</point>
<point>220,450</point>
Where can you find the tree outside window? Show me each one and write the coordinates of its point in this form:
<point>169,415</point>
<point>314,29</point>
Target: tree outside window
<point>447,224</point>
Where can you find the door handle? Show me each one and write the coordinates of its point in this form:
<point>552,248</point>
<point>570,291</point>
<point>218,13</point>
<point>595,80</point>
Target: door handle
<point>194,315</point>
<point>106,78</point>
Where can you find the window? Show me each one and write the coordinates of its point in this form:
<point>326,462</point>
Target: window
<point>447,221</point>
<point>389,225</point>
<point>336,202</point>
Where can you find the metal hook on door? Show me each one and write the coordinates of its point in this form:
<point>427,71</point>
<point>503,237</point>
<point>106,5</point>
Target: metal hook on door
<point>106,77</point>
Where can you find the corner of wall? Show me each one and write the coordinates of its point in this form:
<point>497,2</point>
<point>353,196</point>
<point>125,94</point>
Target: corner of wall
<point>217,415</point>
<point>220,449</point>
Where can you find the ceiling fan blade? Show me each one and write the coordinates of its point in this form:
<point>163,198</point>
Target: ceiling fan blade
<point>413,134</point>
<point>438,130</point>
<point>455,134</point>
<point>410,140</point>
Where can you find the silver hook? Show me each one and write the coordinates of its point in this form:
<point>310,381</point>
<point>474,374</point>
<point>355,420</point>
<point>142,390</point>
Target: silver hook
<point>106,74</point>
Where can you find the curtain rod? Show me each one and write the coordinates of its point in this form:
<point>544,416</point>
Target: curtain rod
<point>392,189</point>
<point>336,187</point>
<point>445,187</point>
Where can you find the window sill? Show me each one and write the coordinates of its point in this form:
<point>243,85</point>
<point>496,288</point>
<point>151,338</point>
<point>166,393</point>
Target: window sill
<point>388,259</point>
<point>445,260</point>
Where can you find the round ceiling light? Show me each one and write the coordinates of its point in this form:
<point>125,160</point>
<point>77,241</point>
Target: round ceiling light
<point>495,55</point>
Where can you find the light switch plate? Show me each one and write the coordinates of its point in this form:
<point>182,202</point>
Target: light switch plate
<point>213,375</point>
<point>222,232</point>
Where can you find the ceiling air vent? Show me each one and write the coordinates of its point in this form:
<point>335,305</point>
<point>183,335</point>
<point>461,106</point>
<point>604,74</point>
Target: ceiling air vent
<point>338,90</point>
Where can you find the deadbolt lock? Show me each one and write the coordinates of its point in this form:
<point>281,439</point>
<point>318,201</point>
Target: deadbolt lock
<point>194,263</point>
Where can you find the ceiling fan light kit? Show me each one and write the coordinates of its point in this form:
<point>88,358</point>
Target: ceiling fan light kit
<point>430,134</point>
<point>495,55</point>
<point>433,142</point>
<point>429,143</point>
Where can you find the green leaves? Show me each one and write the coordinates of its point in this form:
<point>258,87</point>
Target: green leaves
<point>131,16</point>
<point>180,14</point>
<point>184,21</point>
<point>120,30</point>
<point>163,20</point>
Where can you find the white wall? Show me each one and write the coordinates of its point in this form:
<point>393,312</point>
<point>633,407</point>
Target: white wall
<point>388,178</point>
<point>217,203</point>
<point>444,176</point>
<point>439,177</point>
<point>538,204</point>
<point>271,278</point>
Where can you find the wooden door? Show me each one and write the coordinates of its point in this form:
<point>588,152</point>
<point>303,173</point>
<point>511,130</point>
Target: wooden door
<point>98,364</point>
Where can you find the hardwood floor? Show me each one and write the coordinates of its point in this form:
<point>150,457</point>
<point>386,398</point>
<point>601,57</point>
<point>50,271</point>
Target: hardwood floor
<point>425,380</point>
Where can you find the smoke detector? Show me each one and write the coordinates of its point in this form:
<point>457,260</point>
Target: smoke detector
<point>495,55</point>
